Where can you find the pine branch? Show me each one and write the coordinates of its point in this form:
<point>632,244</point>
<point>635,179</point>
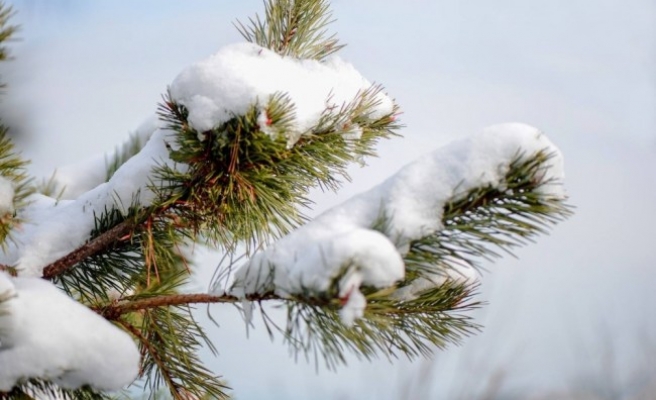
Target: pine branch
<point>13,171</point>
<point>244,181</point>
<point>389,327</point>
<point>504,214</point>
<point>130,266</point>
<point>12,166</point>
<point>99,244</point>
<point>294,28</point>
<point>114,311</point>
<point>169,339</point>
<point>313,324</point>
<point>9,270</point>
<point>244,185</point>
<point>477,222</point>
<point>6,31</point>
<point>114,231</point>
<point>35,389</point>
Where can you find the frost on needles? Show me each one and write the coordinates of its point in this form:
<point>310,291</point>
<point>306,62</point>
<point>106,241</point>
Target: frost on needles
<point>94,261</point>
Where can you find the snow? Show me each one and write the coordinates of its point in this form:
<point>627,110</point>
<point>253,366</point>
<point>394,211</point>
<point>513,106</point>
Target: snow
<point>350,244</point>
<point>46,334</point>
<point>354,132</point>
<point>213,90</point>
<point>76,179</point>
<point>41,242</point>
<point>6,196</point>
<point>243,74</point>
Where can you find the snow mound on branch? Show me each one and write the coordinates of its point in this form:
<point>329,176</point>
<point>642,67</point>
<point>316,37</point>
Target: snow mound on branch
<point>76,179</point>
<point>240,75</point>
<point>413,199</point>
<point>55,228</point>
<point>214,90</point>
<point>361,242</point>
<point>45,334</point>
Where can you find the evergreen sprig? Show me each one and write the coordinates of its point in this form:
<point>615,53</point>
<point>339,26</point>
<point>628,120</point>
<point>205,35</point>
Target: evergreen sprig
<point>389,327</point>
<point>490,218</point>
<point>170,340</point>
<point>7,30</point>
<point>243,184</point>
<point>474,222</point>
<point>35,389</point>
<point>110,274</point>
<point>294,28</point>
<point>147,262</point>
<point>12,166</point>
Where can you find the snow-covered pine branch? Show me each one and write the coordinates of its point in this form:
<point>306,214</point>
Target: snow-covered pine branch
<point>364,241</point>
<point>92,267</point>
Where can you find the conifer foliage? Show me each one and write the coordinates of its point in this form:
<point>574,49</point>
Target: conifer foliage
<point>93,273</point>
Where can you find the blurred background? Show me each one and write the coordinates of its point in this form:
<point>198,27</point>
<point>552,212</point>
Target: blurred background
<point>572,317</point>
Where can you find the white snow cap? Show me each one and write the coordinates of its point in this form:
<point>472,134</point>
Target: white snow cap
<point>341,243</point>
<point>45,334</point>
<point>41,240</point>
<point>76,179</point>
<point>243,74</point>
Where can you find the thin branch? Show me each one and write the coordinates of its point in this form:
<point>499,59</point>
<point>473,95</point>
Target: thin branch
<point>153,353</point>
<point>92,247</point>
<point>114,311</point>
<point>289,34</point>
<point>8,269</point>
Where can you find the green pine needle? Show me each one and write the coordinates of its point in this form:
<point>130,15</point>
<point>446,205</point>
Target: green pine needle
<point>12,168</point>
<point>245,185</point>
<point>295,28</point>
<point>170,340</point>
<point>7,31</point>
<point>486,219</point>
<point>35,389</point>
<point>390,327</point>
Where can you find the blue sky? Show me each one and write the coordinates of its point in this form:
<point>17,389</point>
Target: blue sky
<point>87,73</point>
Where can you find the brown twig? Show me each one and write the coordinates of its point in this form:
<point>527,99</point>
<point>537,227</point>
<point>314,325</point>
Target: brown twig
<point>10,270</point>
<point>92,247</point>
<point>114,311</point>
<point>156,358</point>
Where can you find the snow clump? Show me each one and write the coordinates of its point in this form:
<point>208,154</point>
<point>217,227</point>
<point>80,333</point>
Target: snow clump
<point>45,334</point>
<point>243,74</point>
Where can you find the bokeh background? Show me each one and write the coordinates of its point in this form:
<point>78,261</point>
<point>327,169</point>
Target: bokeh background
<point>574,312</point>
